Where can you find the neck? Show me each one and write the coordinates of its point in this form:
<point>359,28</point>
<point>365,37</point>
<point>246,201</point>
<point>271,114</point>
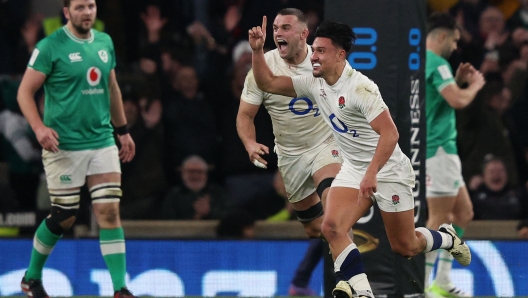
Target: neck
<point>332,78</point>
<point>76,33</point>
<point>299,57</point>
<point>433,46</point>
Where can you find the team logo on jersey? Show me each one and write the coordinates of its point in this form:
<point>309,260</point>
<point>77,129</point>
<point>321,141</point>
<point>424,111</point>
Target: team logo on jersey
<point>335,153</point>
<point>341,102</point>
<point>93,76</point>
<point>395,200</point>
<point>75,57</point>
<point>103,55</point>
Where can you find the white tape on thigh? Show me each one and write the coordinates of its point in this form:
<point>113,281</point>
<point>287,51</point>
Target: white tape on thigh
<point>106,193</point>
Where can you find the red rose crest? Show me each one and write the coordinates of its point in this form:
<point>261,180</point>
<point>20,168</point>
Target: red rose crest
<point>335,153</point>
<point>395,199</point>
<point>341,102</point>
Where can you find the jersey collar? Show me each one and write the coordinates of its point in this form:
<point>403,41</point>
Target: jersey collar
<point>77,39</point>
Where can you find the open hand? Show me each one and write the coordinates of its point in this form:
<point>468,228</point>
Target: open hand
<point>257,36</point>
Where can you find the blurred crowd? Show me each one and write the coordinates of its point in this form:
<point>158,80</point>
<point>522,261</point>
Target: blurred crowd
<point>181,65</point>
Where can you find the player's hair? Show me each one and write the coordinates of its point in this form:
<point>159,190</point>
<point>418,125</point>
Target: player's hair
<point>441,20</point>
<point>67,3</point>
<point>340,34</point>
<point>301,17</point>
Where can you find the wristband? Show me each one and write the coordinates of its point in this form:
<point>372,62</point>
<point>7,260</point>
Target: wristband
<point>121,130</point>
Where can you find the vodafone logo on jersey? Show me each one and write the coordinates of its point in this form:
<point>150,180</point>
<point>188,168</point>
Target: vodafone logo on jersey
<point>93,76</point>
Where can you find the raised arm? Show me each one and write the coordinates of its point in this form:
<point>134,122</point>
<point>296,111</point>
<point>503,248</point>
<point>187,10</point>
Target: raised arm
<point>457,97</point>
<point>266,80</point>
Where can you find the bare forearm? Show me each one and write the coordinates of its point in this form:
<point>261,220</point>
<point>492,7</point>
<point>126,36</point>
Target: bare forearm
<point>116,106</point>
<point>29,108</point>
<point>246,129</point>
<point>263,74</point>
<point>386,144</point>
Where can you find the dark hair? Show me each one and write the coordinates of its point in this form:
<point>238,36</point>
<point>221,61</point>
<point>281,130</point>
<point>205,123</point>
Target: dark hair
<point>294,12</point>
<point>441,20</point>
<point>341,34</point>
<point>67,3</point>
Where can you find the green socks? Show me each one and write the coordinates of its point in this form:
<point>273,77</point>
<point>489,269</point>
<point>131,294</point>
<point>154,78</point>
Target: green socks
<point>43,243</point>
<point>112,243</point>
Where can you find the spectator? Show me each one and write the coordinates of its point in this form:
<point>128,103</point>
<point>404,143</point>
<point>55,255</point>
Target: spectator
<point>189,122</point>
<point>493,198</point>
<point>197,198</point>
<point>143,179</point>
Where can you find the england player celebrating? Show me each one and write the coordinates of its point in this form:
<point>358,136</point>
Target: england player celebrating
<point>374,167</point>
<point>308,157</point>
<point>76,66</point>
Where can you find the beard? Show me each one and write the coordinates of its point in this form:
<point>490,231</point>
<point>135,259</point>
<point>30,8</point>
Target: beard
<point>81,29</point>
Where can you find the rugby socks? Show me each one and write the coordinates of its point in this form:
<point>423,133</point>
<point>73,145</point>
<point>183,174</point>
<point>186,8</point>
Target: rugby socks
<point>112,243</point>
<point>43,243</point>
<point>445,261</point>
<point>430,259</point>
<point>435,239</point>
<point>348,266</point>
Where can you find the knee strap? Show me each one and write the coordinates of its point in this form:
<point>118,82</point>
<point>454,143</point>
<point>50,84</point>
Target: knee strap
<point>106,193</point>
<point>326,183</point>
<point>311,213</point>
<point>64,205</point>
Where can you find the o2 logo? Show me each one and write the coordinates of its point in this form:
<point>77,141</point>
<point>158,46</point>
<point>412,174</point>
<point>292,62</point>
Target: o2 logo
<point>366,37</point>
<point>341,127</point>
<point>302,106</point>
<point>415,36</point>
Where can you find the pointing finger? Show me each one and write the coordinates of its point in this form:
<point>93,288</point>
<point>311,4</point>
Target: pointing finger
<point>264,22</point>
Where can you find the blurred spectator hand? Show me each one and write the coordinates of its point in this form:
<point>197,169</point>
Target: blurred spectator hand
<point>30,30</point>
<point>475,182</point>
<point>231,18</point>
<point>153,21</point>
<point>523,233</point>
<point>151,114</point>
<point>202,206</point>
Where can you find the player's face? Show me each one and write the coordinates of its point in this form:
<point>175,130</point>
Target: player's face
<point>81,14</point>
<point>289,35</point>
<point>324,57</point>
<point>451,42</point>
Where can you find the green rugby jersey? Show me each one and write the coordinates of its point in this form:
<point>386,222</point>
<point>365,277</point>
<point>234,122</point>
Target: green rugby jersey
<point>440,116</point>
<point>77,97</point>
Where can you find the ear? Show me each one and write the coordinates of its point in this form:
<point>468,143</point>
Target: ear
<point>66,12</point>
<point>304,33</point>
<point>341,54</point>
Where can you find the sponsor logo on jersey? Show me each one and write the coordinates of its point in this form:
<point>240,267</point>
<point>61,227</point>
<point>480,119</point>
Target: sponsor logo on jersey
<point>103,55</point>
<point>75,57</point>
<point>335,153</point>
<point>65,179</point>
<point>323,94</point>
<point>395,200</point>
<point>341,102</point>
<point>93,76</point>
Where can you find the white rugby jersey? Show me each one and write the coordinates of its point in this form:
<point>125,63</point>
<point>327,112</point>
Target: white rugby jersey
<point>297,122</point>
<point>348,107</point>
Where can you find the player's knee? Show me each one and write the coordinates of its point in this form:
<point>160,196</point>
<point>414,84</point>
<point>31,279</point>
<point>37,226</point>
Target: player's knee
<point>64,207</point>
<point>107,197</point>
<point>329,229</point>
<point>404,248</point>
<point>323,185</point>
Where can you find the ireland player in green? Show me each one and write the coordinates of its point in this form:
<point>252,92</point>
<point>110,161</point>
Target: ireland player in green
<point>76,66</point>
<point>447,197</point>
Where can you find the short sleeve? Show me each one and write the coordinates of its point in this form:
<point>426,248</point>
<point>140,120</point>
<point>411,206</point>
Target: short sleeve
<point>112,52</point>
<point>251,93</point>
<point>41,58</point>
<point>302,85</point>
<point>442,76</point>
<point>369,101</point>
